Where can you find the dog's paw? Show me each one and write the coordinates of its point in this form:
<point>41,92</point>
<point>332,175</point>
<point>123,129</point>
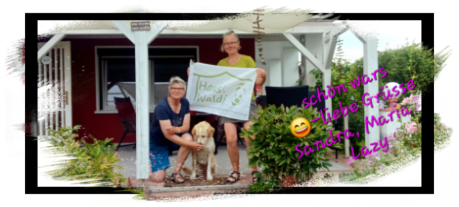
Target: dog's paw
<point>210,177</point>
<point>193,176</point>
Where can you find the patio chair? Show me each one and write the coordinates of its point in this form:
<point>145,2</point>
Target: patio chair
<point>128,118</point>
<point>288,96</point>
<point>262,101</point>
<point>318,105</point>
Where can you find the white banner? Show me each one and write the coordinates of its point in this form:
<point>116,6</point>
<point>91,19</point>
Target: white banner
<point>224,91</point>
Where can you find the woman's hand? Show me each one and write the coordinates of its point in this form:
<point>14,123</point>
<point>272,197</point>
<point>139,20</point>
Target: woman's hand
<point>261,77</point>
<point>195,146</point>
<point>261,73</point>
<point>188,71</point>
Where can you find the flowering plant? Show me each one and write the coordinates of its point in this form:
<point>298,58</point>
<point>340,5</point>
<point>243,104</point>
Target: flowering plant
<point>407,100</point>
<point>404,145</point>
<point>411,127</point>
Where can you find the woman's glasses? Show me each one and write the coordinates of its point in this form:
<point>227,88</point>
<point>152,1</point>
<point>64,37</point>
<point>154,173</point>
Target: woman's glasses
<point>230,43</point>
<point>177,89</point>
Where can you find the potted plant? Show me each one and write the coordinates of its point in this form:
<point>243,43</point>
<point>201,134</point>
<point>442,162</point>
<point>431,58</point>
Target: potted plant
<point>275,146</point>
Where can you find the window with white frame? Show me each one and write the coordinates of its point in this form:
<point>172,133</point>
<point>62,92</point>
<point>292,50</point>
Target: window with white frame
<point>116,73</point>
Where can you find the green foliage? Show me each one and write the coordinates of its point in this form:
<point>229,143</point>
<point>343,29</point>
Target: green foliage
<point>264,186</point>
<point>440,60</point>
<point>355,177</point>
<point>141,194</point>
<point>93,161</point>
<point>410,143</point>
<point>442,133</point>
<point>409,62</point>
<point>299,82</point>
<point>63,141</point>
<point>318,76</point>
<point>274,146</point>
<point>341,75</point>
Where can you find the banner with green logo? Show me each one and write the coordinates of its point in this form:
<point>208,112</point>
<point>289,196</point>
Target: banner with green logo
<point>224,91</point>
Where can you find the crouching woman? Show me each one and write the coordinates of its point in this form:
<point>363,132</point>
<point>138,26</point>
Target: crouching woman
<point>169,127</point>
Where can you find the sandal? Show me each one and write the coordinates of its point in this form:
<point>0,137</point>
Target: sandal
<point>254,179</point>
<point>175,178</point>
<point>235,179</point>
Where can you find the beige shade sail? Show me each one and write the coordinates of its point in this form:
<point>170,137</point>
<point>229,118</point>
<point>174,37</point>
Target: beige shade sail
<point>272,22</point>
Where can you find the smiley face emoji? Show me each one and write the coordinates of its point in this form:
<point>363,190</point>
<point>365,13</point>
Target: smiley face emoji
<point>300,127</point>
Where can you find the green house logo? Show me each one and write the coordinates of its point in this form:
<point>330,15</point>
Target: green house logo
<point>237,96</point>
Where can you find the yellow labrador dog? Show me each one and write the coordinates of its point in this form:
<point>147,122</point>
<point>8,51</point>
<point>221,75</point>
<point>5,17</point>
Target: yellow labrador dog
<point>203,133</point>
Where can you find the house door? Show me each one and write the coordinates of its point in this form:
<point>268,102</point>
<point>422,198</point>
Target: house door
<point>54,88</point>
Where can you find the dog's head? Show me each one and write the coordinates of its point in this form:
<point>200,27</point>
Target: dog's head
<point>202,132</point>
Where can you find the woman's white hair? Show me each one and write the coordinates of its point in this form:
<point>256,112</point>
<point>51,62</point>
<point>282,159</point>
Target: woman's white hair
<point>222,49</point>
<point>174,80</point>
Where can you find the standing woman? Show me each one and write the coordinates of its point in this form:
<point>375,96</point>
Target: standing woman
<point>231,46</point>
<point>171,122</point>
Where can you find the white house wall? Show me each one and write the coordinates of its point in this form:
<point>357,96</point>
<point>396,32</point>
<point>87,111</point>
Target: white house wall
<point>273,56</point>
<point>274,73</point>
<point>289,66</point>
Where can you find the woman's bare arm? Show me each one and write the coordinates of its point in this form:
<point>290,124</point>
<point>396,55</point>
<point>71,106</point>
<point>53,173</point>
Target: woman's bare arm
<point>186,123</point>
<point>166,124</point>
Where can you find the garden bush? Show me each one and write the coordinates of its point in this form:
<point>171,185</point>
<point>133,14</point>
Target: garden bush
<point>274,146</point>
<point>94,162</point>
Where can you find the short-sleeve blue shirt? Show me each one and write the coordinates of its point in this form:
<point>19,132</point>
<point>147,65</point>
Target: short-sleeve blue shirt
<point>164,112</point>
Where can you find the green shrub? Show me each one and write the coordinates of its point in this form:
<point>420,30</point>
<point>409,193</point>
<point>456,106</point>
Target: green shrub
<point>92,161</point>
<point>262,185</point>
<point>274,146</point>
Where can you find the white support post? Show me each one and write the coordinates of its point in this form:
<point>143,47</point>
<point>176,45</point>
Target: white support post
<point>346,141</point>
<point>326,77</point>
<point>50,44</point>
<point>304,71</point>
<point>126,29</point>
<point>142,104</point>
<point>370,64</point>
<point>314,61</point>
<point>329,53</point>
<point>156,28</point>
<point>330,47</point>
<point>300,47</point>
<point>141,40</point>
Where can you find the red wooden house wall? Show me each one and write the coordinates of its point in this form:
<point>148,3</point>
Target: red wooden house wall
<point>103,126</point>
